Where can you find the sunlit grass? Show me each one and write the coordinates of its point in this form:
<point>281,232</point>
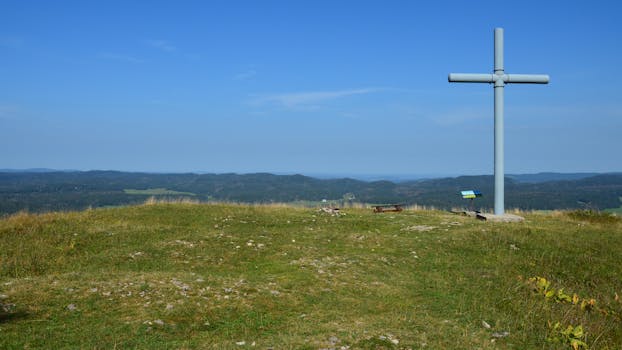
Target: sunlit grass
<point>188,275</point>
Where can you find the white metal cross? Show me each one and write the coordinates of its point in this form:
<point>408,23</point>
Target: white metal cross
<point>499,78</point>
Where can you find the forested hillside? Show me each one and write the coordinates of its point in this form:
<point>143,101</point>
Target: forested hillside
<point>48,191</point>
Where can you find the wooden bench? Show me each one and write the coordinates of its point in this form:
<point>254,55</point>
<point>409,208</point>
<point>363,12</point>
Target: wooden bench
<point>387,207</point>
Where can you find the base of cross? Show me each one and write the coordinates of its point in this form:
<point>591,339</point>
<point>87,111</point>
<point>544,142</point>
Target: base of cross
<point>500,218</point>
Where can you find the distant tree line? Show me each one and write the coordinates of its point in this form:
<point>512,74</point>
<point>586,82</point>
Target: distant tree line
<point>52,191</point>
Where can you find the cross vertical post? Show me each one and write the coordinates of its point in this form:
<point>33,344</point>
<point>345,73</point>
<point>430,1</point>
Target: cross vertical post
<point>499,79</point>
<point>499,151</point>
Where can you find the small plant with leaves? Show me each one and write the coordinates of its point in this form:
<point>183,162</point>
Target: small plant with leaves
<point>570,335</point>
<point>542,286</point>
<point>588,305</point>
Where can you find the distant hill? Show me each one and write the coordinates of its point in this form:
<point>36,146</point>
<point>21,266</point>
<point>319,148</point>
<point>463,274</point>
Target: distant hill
<point>545,177</point>
<point>51,191</point>
<point>32,170</point>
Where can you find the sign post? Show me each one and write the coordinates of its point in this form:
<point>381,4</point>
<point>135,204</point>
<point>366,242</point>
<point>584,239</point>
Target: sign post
<point>471,194</point>
<point>499,79</point>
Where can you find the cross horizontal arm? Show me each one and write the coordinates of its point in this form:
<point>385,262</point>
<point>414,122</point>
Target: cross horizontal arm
<point>527,78</point>
<point>470,78</point>
<point>506,78</point>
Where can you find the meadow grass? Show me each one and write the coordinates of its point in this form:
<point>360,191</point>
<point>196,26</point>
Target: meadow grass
<point>204,276</point>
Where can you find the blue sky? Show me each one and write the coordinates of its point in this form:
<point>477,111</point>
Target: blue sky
<point>312,87</point>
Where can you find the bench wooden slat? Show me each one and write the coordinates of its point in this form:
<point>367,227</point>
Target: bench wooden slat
<point>387,207</point>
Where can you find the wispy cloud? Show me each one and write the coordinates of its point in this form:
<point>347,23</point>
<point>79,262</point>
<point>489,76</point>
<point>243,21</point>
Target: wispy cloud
<point>163,45</point>
<point>120,57</point>
<point>297,99</point>
<point>249,74</point>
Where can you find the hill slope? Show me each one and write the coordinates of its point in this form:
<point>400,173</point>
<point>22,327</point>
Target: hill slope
<point>546,177</point>
<point>236,277</point>
<point>40,192</point>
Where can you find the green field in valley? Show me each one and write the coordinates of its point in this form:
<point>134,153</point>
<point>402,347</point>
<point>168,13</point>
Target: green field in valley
<point>197,276</point>
<point>158,192</point>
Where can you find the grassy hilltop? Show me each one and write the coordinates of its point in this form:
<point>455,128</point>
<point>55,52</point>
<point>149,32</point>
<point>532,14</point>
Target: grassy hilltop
<point>184,276</point>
